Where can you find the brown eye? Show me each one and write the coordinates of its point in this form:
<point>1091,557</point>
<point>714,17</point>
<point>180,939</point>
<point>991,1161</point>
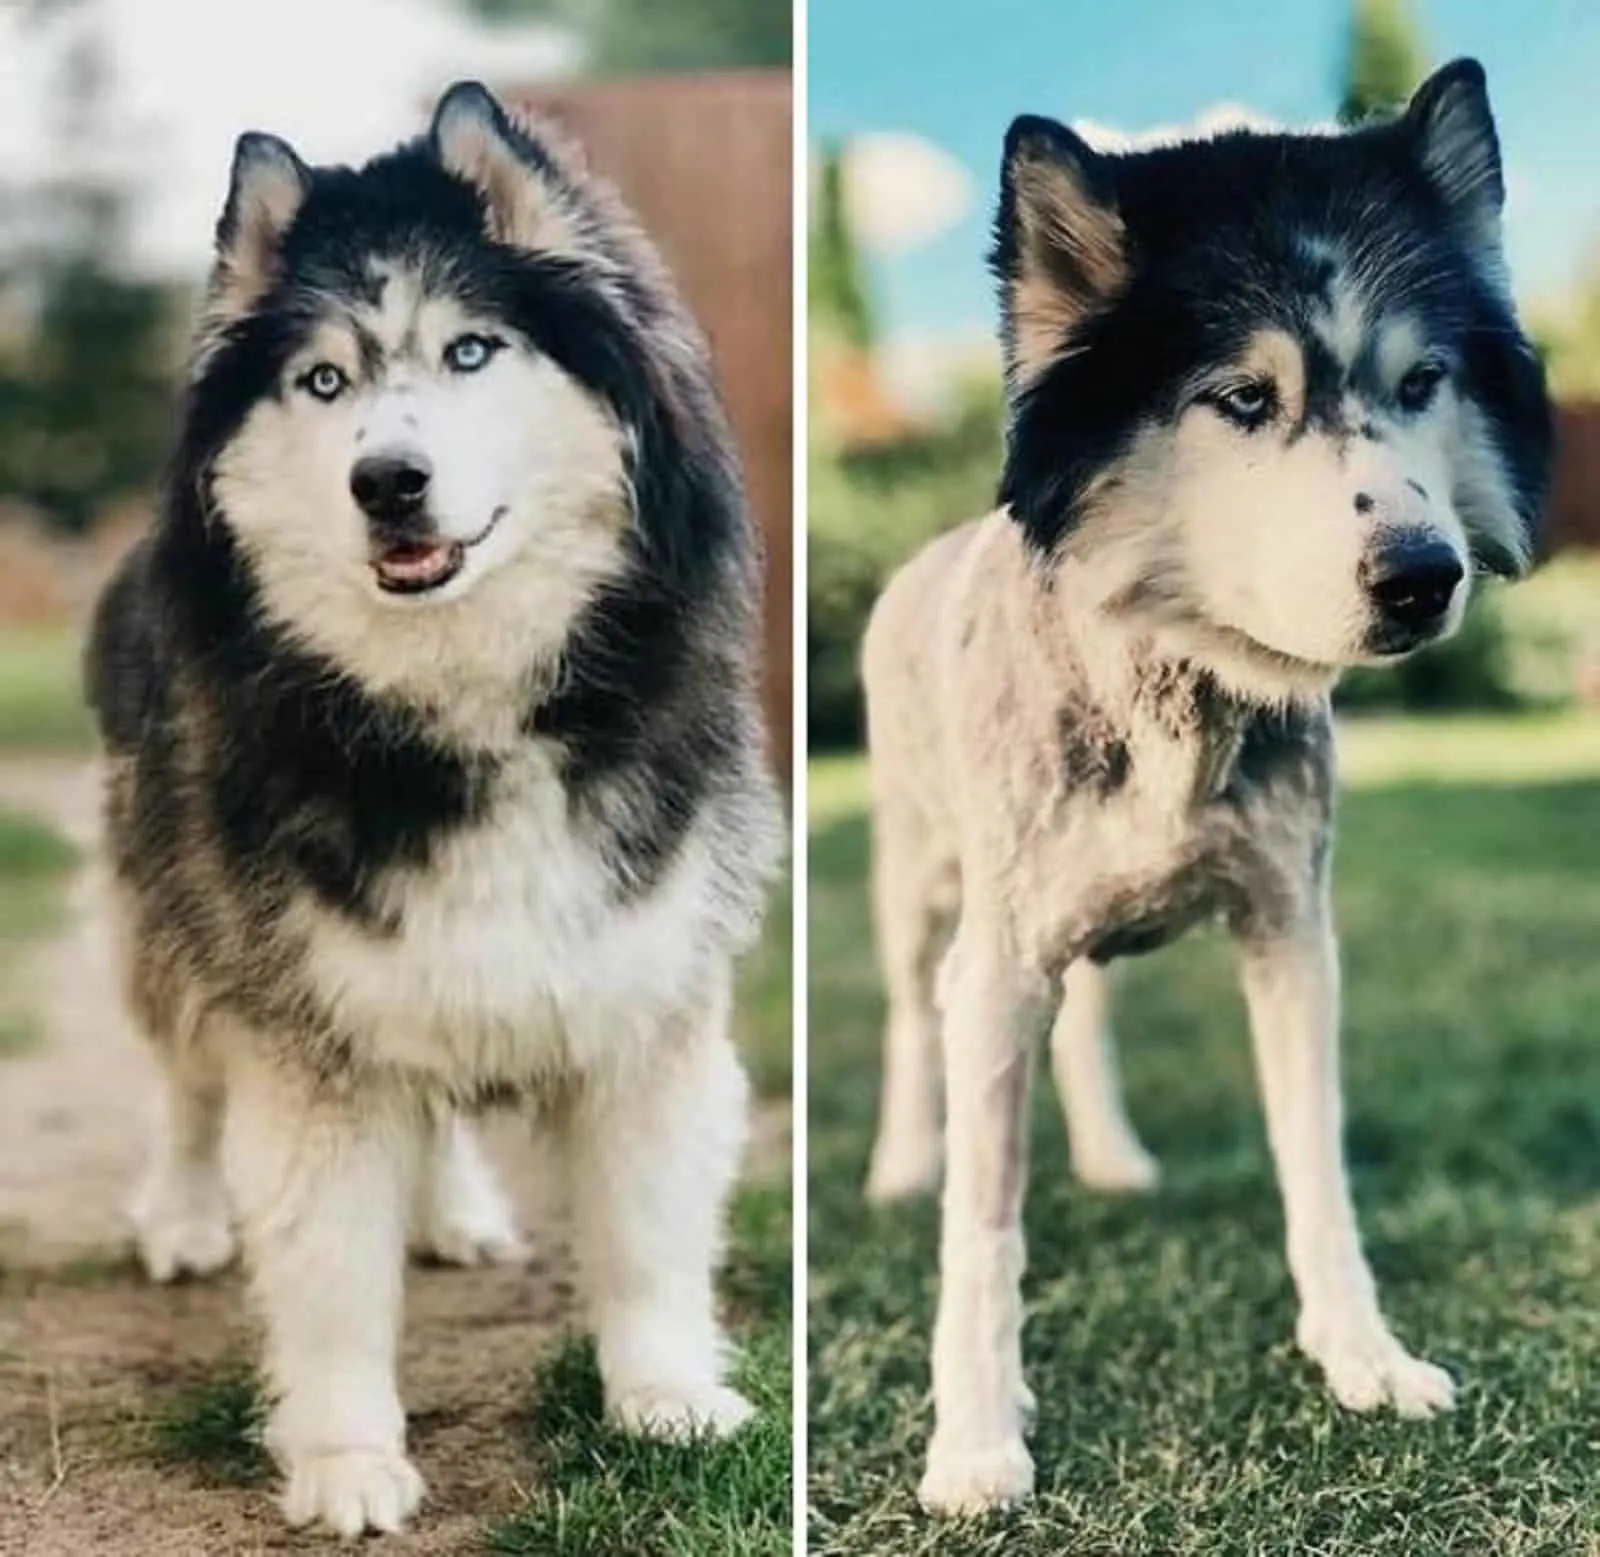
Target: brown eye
<point>1246,405</point>
<point>1418,388</point>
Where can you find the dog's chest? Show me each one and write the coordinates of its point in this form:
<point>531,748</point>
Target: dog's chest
<point>1182,836</point>
<point>510,958</point>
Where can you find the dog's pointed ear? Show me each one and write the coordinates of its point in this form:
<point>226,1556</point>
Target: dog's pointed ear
<point>1451,128</point>
<point>519,180</point>
<point>266,189</point>
<point>1059,243</point>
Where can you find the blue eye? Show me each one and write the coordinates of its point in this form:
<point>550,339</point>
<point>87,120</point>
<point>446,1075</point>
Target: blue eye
<point>324,381</point>
<point>468,353</point>
<point>1246,405</point>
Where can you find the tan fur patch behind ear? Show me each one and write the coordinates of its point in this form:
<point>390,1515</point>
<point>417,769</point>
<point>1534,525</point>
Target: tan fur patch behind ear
<point>525,207</point>
<point>1070,257</point>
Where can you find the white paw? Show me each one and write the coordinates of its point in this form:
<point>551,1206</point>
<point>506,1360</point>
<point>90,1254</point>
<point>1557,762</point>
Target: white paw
<point>1027,1404</point>
<point>351,1490</point>
<point>1118,1167</point>
<point>182,1226</point>
<point>669,1411</point>
<point>903,1169</point>
<point>972,1481</point>
<point>1366,1367</point>
<point>473,1243</point>
<point>462,1216</point>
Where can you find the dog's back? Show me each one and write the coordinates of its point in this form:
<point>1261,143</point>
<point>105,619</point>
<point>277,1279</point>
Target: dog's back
<point>902,673</point>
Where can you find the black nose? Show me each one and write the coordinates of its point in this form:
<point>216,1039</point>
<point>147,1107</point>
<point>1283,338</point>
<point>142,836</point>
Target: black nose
<point>1412,580</point>
<point>390,486</point>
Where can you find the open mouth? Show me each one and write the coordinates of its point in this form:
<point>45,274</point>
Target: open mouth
<point>419,567</point>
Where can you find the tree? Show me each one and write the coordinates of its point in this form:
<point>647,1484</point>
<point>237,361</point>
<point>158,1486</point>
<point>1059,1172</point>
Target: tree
<point>1385,59</point>
<point>836,282</point>
<point>625,36</point>
<point>87,354</point>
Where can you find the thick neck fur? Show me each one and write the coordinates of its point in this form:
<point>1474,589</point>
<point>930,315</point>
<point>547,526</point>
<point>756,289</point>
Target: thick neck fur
<point>1180,707</point>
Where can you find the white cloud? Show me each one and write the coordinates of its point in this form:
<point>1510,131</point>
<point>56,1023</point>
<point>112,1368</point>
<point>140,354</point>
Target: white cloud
<point>339,79</point>
<point>1216,119</point>
<point>901,190</point>
<point>923,373</point>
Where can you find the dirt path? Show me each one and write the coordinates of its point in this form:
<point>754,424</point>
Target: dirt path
<point>90,1355</point>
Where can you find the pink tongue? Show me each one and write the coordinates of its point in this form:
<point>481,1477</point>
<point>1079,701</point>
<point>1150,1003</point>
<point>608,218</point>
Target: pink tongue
<point>413,562</point>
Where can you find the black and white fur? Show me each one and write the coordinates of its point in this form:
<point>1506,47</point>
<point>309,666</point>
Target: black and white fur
<point>436,774</point>
<point>1270,411</point>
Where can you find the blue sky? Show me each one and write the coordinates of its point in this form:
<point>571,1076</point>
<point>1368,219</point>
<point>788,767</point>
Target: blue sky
<point>956,71</point>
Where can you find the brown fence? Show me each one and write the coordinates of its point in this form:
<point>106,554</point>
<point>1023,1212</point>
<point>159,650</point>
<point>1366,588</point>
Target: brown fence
<point>705,162</point>
<point>1574,512</point>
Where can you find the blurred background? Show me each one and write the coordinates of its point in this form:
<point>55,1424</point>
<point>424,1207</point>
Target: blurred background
<point>904,386</point>
<point>117,123</point>
<point>1173,1416</point>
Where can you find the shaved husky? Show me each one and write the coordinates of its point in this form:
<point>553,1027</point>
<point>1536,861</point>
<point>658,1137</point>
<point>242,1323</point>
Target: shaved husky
<point>436,774</point>
<point>1269,411</point>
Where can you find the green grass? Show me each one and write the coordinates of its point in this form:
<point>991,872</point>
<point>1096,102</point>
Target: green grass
<point>214,1426</point>
<point>763,1018</point>
<point>596,1492</point>
<point>41,692</point>
<point>1175,1416</point>
<point>601,1493</point>
<point>34,862</point>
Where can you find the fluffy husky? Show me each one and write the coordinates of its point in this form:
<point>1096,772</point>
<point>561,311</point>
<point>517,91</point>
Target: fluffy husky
<point>1269,411</point>
<point>436,773</point>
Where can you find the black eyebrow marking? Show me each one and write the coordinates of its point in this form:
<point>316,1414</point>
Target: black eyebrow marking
<point>370,348</point>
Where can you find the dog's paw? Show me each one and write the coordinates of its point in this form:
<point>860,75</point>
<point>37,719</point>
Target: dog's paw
<point>973,1481</point>
<point>670,1411</point>
<point>1116,1167</point>
<point>352,1490</point>
<point>902,1170</point>
<point>1366,1367</point>
<point>182,1229</point>
<point>471,1225</point>
<point>470,1242</point>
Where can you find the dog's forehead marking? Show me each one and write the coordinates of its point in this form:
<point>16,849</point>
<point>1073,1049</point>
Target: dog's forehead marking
<point>1401,343</point>
<point>392,318</point>
<point>1341,322</point>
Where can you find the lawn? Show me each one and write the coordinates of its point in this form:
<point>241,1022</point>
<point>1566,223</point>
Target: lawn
<point>41,691</point>
<point>34,863</point>
<point>1175,1416</point>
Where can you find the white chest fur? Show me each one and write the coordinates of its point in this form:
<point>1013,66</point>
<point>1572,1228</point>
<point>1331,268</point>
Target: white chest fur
<point>513,960</point>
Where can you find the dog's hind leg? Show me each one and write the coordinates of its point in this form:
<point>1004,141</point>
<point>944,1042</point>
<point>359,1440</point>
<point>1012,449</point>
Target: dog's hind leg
<point>460,1215</point>
<point>977,1458</point>
<point>652,1155</point>
<point>179,1212</point>
<point>322,1186</point>
<point>912,928</point>
<point>1291,982</point>
<point>1106,1151</point>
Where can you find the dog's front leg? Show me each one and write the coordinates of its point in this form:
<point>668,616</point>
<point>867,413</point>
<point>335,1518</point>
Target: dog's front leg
<point>977,1458</point>
<point>652,1153</point>
<point>1291,983</point>
<point>322,1190</point>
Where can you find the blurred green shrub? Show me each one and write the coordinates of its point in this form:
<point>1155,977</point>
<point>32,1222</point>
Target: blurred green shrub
<point>869,510</point>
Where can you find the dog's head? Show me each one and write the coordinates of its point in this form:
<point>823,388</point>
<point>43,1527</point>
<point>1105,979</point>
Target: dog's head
<point>1273,385</point>
<point>455,373</point>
